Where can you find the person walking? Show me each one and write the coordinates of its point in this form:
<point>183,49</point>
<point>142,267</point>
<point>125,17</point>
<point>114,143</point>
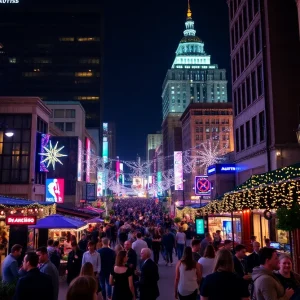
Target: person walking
<point>137,246</point>
<point>266,284</point>
<point>188,277</point>
<point>168,243</point>
<point>108,257</point>
<point>121,278</point>
<point>10,270</point>
<point>224,283</point>
<point>149,277</point>
<point>180,242</point>
<point>156,245</point>
<point>93,257</point>
<point>74,262</point>
<point>34,285</point>
<point>47,267</point>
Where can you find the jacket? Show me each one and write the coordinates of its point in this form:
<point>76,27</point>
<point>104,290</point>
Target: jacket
<point>50,269</point>
<point>34,286</point>
<point>148,281</point>
<point>266,285</point>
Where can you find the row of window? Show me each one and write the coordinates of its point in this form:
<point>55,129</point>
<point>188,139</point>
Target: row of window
<point>247,52</point>
<point>250,133</point>
<point>250,90</point>
<point>212,121</point>
<point>198,75</point>
<point>79,39</point>
<point>38,73</point>
<point>63,113</point>
<point>249,10</point>
<point>211,112</point>
<point>68,126</point>
<point>85,98</point>
<point>209,129</point>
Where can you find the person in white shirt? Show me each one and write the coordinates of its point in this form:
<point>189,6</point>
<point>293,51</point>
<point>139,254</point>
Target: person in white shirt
<point>137,246</point>
<point>207,261</point>
<point>93,257</point>
<point>180,242</point>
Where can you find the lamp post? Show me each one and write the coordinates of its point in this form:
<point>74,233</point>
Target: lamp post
<point>9,133</point>
<point>183,198</point>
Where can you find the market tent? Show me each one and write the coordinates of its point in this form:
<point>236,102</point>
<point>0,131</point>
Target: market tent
<point>94,220</point>
<point>57,222</point>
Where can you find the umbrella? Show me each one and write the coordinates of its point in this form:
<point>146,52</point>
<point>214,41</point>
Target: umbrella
<point>94,220</point>
<point>57,222</point>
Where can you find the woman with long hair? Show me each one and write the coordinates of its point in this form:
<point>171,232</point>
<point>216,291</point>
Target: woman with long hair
<point>82,287</point>
<point>188,277</point>
<point>122,279</point>
<point>224,283</point>
<point>207,261</point>
<point>156,245</point>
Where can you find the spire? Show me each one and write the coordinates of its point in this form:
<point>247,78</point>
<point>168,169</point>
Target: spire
<point>189,12</point>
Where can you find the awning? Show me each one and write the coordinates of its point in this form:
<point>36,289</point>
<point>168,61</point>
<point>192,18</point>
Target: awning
<point>94,220</point>
<point>58,222</point>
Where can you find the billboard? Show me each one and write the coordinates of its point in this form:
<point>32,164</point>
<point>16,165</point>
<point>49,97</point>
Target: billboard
<point>79,162</point>
<point>221,169</point>
<point>105,150</point>
<point>99,184</point>
<point>90,191</point>
<point>199,226</point>
<point>137,182</point>
<point>159,183</point>
<point>88,159</point>
<point>202,186</point>
<point>55,190</point>
<point>178,171</point>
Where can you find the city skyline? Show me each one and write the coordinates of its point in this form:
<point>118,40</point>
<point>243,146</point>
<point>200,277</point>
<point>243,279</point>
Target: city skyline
<point>160,41</point>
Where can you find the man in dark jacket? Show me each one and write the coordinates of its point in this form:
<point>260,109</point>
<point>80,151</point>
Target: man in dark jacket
<point>149,277</point>
<point>253,258</point>
<point>35,285</point>
<point>168,242</point>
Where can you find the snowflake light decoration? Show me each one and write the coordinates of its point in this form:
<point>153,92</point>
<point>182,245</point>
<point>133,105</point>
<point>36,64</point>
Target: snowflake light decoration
<point>52,155</point>
<point>210,154</point>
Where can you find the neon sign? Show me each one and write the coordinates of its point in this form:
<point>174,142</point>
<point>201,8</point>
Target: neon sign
<point>9,1</point>
<point>221,169</point>
<point>202,186</point>
<point>88,159</point>
<point>55,190</point>
<point>20,220</point>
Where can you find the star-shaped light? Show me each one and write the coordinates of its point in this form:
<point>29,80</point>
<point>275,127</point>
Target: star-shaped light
<point>52,155</point>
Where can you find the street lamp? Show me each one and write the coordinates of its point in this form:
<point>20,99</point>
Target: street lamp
<point>9,133</point>
<point>298,134</point>
<point>183,198</point>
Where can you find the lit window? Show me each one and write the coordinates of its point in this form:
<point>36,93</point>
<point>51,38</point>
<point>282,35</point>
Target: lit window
<point>90,61</point>
<point>41,60</point>
<point>87,98</point>
<point>83,74</point>
<point>12,60</point>
<point>67,39</point>
<point>88,39</point>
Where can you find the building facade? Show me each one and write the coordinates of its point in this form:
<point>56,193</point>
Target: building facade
<point>153,141</point>
<point>207,134</point>
<point>265,86</point>
<point>24,116</point>
<point>53,50</point>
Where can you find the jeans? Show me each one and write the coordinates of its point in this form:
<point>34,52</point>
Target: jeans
<point>156,255</point>
<point>104,283</point>
<point>169,255</point>
<point>180,248</point>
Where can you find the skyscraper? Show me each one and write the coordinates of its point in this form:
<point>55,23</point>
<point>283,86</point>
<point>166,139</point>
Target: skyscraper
<point>53,49</point>
<point>265,73</point>
<point>192,78</point>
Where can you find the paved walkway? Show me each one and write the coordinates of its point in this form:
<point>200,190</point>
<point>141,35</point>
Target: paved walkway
<point>166,282</point>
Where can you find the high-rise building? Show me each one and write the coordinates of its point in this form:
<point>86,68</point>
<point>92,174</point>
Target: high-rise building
<point>153,141</point>
<point>52,49</point>
<point>206,128</point>
<point>265,78</point>
<point>192,78</point>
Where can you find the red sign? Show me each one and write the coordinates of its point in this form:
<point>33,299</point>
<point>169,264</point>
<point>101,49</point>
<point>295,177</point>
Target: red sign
<point>20,220</point>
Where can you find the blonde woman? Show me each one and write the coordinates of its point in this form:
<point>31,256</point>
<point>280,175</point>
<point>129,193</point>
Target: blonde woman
<point>224,283</point>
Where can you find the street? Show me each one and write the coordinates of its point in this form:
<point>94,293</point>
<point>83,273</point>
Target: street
<point>166,281</point>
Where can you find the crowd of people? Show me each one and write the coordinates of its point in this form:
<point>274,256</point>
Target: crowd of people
<point>120,260</point>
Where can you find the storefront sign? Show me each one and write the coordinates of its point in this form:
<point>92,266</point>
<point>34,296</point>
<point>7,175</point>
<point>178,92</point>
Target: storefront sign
<point>9,1</point>
<point>202,186</point>
<point>20,220</point>
<point>221,169</point>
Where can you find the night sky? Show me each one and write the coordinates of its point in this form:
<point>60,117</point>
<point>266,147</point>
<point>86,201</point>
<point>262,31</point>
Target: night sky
<point>141,38</point>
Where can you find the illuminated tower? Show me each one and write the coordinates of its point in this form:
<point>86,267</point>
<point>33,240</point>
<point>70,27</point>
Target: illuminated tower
<point>192,77</point>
